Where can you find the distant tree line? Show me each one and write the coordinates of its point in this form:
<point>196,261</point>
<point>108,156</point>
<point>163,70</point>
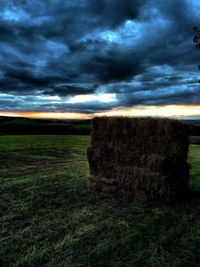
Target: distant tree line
<point>10,125</point>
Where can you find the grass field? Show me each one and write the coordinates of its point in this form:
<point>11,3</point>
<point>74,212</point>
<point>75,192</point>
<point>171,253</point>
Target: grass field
<point>48,217</point>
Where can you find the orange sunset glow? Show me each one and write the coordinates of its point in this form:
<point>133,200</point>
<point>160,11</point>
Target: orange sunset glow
<point>170,111</point>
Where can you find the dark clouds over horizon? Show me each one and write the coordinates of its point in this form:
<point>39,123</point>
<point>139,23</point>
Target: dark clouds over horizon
<point>121,53</point>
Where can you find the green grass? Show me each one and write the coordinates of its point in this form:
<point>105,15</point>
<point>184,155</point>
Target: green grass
<point>195,140</point>
<point>49,218</point>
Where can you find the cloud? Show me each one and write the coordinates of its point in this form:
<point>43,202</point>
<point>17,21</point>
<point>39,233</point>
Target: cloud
<point>142,51</point>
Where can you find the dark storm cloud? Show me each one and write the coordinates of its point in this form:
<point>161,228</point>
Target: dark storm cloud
<point>115,66</point>
<point>141,51</point>
<point>70,90</point>
<point>113,13</point>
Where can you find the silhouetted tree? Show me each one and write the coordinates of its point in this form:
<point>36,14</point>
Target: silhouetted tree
<point>196,38</point>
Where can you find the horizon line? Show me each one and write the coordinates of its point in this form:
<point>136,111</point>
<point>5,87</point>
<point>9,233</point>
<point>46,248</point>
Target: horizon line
<point>167,111</point>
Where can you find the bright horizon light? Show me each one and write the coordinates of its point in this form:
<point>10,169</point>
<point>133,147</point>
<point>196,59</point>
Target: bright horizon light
<point>105,98</point>
<point>168,111</point>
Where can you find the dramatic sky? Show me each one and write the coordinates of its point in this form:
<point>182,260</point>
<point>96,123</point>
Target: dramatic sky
<point>79,58</point>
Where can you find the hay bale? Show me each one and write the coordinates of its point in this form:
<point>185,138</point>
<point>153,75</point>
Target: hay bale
<point>139,159</point>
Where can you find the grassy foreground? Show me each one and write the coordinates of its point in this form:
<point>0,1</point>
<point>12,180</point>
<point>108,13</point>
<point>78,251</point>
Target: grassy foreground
<point>48,217</point>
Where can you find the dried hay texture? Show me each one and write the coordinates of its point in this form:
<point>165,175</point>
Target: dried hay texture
<point>139,159</point>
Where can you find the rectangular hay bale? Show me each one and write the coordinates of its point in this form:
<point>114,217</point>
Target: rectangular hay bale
<point>145,158</point>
